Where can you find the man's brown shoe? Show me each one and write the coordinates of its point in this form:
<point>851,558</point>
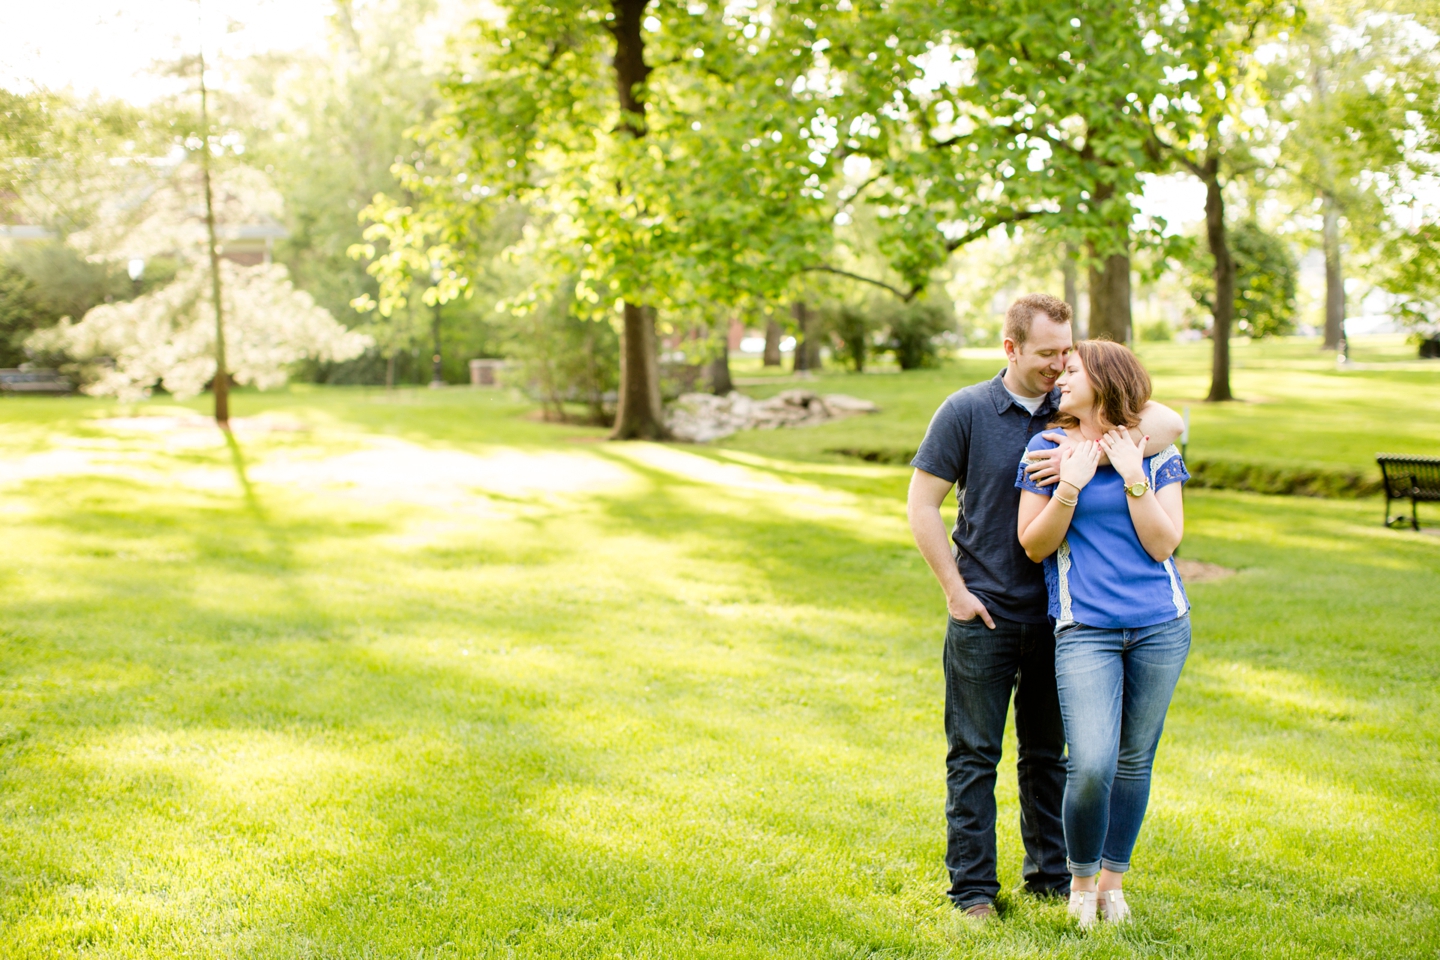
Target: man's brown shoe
<point>981,912</point>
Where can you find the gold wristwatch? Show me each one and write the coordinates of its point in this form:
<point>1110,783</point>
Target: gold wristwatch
<point>1138,488</point>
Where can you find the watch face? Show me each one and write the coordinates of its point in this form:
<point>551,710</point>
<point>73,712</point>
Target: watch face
<point>1138,489</point>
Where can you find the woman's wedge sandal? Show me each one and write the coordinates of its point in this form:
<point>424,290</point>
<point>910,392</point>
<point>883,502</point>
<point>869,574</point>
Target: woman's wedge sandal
<point>1082,907</point>
<point>1113,908</point>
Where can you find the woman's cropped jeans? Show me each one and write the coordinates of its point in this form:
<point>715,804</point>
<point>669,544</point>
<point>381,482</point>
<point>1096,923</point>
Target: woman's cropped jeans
<point>1114,687</point>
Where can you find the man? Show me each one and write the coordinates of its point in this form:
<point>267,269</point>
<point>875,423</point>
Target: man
<point>999,636</point>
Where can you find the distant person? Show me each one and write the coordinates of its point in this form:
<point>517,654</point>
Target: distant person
<point>1000,639</point>
<point>1107,534</point>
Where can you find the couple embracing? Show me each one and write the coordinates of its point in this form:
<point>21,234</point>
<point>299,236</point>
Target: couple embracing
<point>1062,590</point>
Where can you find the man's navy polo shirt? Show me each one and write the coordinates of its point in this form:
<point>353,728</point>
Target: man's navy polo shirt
<point>975,440</point>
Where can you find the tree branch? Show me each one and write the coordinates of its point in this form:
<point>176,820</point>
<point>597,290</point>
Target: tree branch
<point>1179,154</point>
<point>904,296</point>
<point>990,223</point>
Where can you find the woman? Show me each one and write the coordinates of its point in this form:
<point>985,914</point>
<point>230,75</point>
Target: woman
<point>1122,624</point>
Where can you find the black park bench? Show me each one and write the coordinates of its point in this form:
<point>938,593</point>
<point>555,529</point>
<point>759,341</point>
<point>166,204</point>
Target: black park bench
<point>1409,478</point>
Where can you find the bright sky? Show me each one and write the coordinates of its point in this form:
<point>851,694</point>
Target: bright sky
<point>107,46</point>
<point>1177,197</point>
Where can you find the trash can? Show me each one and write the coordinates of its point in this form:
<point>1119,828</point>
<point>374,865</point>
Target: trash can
<point>485,373</point>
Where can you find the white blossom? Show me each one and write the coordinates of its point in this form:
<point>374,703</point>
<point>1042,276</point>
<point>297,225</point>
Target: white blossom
<point>167,337</point>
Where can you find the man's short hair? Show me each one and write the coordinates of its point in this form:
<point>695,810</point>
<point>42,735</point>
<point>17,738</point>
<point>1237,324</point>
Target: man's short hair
<point>1022,313</point>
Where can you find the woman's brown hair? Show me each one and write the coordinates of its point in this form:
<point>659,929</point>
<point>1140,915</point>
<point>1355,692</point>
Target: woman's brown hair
<point>1120,383</point>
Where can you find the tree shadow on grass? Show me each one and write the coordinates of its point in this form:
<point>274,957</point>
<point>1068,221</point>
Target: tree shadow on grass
<point>242,476</point>
<point>807,561</point>
<point>334,792</point>
<point>363,796</point>
<point>369,803</point>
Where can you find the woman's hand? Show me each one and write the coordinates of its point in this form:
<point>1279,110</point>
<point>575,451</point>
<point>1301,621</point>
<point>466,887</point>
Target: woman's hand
<point>1126,456</point>
<point>1078,463</point>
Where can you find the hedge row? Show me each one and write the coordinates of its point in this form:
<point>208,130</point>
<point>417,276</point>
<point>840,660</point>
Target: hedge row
<point>1296,481</point>
<point>1217,475</point>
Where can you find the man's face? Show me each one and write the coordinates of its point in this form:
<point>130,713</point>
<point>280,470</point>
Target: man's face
<point>1039,363</point>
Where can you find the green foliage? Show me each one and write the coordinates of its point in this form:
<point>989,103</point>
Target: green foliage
<point>565,359</point>
<point>711,206</point>
<point>44,281</point>
<point>1413,259</point>
<point>65,161</point>
<point>853,326</point>
<point>1357,90</point>
<point>331,125</point>
<point>1294,481</point>
<point>1266,275</point>
<point>17,314</point>
<point>910,331</point>
<point>1155,331</point>
<point>915,329</point>
<point>981,117</point>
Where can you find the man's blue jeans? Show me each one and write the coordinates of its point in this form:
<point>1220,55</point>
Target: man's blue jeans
<point>982,668</point>
<point>1115,687</point>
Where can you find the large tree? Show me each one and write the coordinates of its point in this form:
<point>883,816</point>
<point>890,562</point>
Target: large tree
<point>1356,85</point>
<point>960,120</point>
<point>1210,121</point>
<point>660,166</point>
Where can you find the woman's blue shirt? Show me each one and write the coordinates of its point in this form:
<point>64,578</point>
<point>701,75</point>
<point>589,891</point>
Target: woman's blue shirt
<point>1101,575</point>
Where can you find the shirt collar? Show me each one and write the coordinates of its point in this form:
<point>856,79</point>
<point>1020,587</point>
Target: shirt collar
<point>1003,400</point>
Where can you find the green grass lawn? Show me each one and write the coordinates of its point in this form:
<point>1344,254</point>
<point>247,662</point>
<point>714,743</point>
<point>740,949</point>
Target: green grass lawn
<point>418,677</point>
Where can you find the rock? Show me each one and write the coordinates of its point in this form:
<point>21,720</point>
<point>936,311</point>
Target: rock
<point>848,406</point>
<point>702,417</point>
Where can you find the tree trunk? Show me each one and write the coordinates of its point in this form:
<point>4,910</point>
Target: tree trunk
<point>1224,307</point>
<point>1067,271</point>
<point>812,341</point>
<point>720,382</point>
<point>221,384</point>
<point>390,371</point>
<point>1110,298</point>
<point>807,344</point>
<point>1330,229</point>
<point>772,344</point>
<point>638,414</point>
<point>1334,277</point>
<point>437,375</point>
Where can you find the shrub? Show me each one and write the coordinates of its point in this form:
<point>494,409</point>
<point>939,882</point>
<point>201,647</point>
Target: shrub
<point>1265,282</point>
<point>914,328</point>
<point>564,359</point>
<point>40,283</point>
<point>1156,331</point>
<point>852,326</point>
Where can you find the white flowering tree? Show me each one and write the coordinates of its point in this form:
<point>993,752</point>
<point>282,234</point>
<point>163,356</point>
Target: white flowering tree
<point>167,337</point>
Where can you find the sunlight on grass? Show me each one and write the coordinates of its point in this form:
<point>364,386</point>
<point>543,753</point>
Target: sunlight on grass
<point>823,469</point>
<point>449,685</point>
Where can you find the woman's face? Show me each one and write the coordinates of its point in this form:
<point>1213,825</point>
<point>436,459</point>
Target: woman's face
<point>1077,397</point>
